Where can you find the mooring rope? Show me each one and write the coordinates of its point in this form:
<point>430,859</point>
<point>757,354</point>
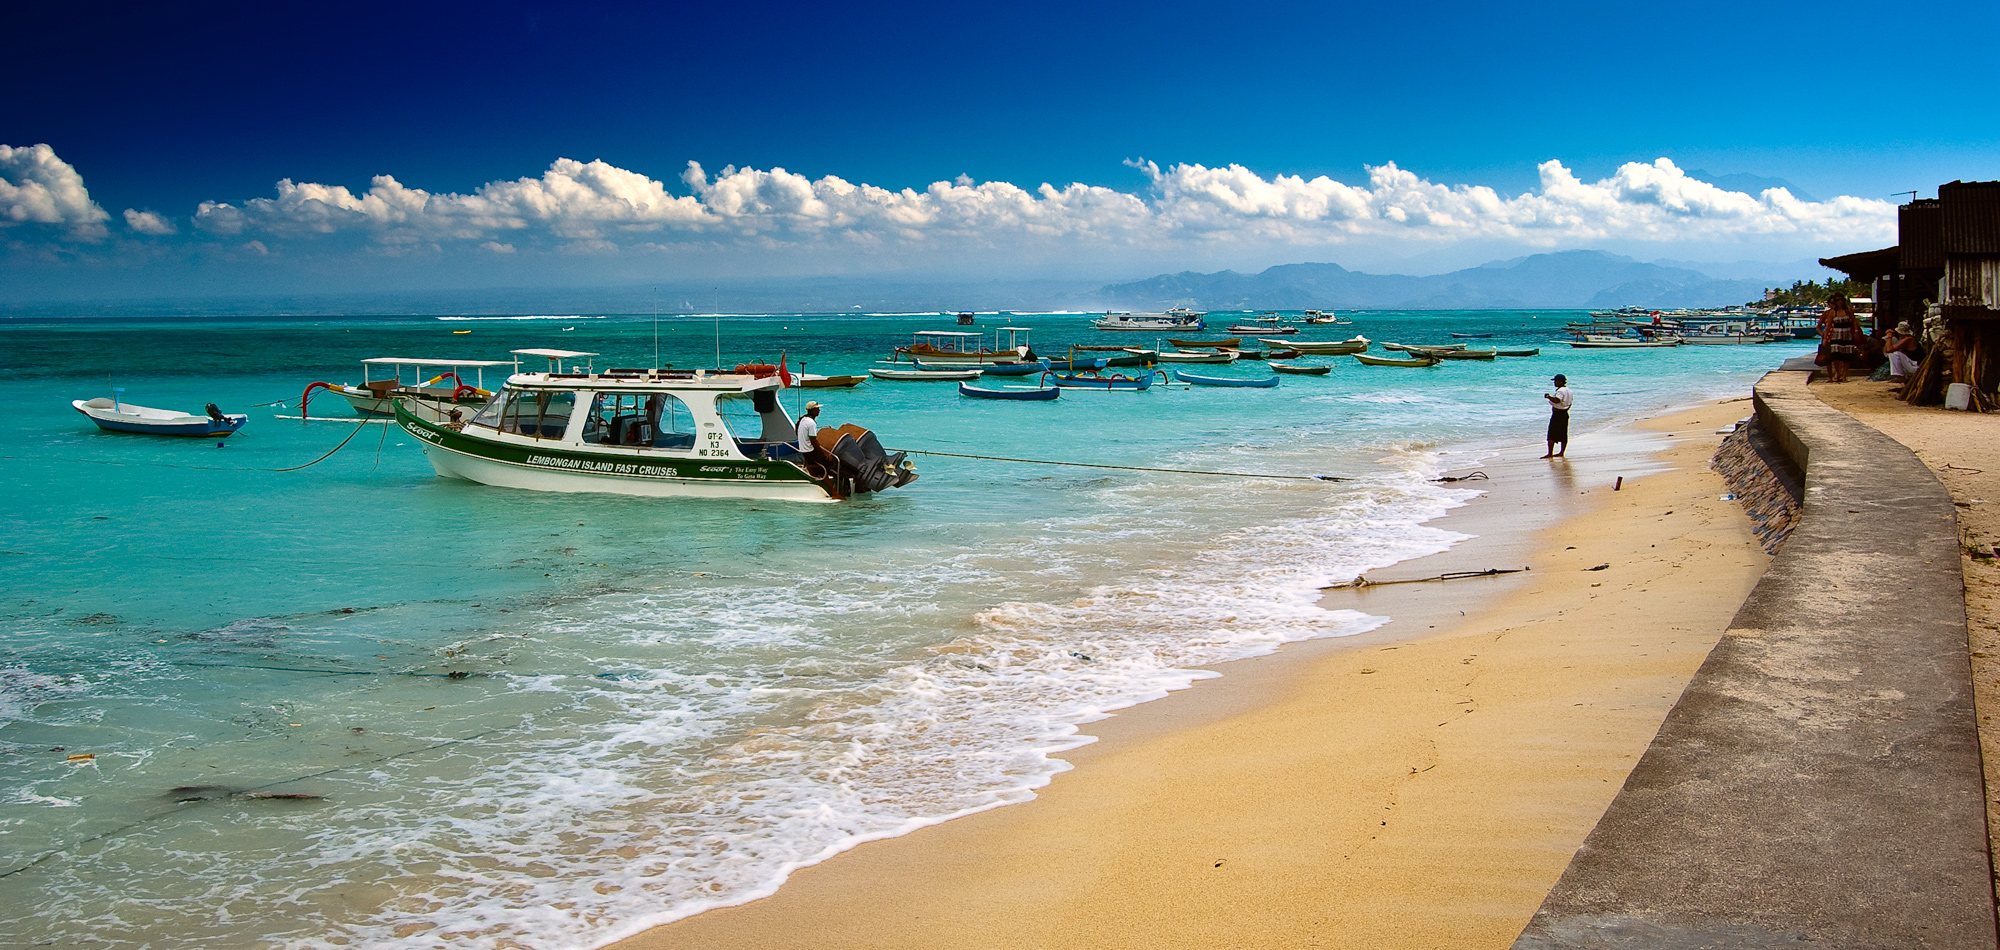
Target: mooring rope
<point>1132,468</point>
<point>329,452</point>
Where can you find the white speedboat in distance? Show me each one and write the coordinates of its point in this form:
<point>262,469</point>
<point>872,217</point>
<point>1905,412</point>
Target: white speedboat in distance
<point>1176,319</point>
<point>657,433</point>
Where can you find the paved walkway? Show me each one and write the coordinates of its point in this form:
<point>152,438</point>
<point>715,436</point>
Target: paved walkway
<point>1818,783</point>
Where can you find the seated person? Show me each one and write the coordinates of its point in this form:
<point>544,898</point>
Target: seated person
<point>1901,345</point>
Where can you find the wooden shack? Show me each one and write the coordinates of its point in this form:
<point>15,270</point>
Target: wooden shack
<point>1943,277</point>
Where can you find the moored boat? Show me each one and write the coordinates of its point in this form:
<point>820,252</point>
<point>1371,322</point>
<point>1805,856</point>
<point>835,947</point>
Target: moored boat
<point>659,433</point>
<point>1199,344</point>
<point>1294,369</point>
<point>1451,353</point>
<point>1217,356</point>
<point>1176,319</point>
<point>1412,347</point>
<point>1195,380</point>
<point>810,381</point>
<point>432,397</point>
<point>1116,381</point>
<point>115,415</point>
<point>959,347</point>
<point>1533,351</point>
<point>1023,395</point>
<point>923,375</point>
<point>1470,336</point>
<point>1613,343</point>
<point>1414,362</point>
<point>1014,369</point>
<point>1357,344</point>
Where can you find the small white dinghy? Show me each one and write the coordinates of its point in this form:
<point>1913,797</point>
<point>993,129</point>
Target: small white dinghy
<point>115,416</point>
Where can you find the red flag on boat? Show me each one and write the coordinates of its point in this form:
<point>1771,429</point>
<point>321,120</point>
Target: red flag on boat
<point>784,375</point>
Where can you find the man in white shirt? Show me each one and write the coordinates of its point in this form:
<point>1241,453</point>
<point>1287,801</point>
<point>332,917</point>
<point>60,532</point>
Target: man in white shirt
<point>807,427</point>
<point>1559,403</point>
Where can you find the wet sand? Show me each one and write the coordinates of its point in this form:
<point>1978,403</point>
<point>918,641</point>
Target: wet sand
<point>1422,785</point>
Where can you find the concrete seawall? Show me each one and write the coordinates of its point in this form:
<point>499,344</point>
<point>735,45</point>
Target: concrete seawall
<point>1818,783</point>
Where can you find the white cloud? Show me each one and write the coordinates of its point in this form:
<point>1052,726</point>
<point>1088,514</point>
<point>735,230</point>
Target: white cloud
<point>1654,202</point>
<point>146,222</point>
<point>36,187</point>
<point>596,208</point>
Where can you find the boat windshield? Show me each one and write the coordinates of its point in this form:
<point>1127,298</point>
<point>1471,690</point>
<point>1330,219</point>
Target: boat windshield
<point>541,413</point>
<point>655,420</point>
<point>755,420</point>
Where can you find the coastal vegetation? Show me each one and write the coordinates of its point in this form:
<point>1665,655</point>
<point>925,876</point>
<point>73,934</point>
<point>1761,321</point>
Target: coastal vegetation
<point>1807,293</point>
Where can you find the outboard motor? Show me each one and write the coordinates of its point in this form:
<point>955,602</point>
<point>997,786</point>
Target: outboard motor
<point>215,412</point>
<point>862,466</point>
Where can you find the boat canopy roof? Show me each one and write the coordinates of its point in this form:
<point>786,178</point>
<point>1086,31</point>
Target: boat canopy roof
<point>649,381</point>
<point>950,333</point>
<point>402,361</point>
<point>551,354</point>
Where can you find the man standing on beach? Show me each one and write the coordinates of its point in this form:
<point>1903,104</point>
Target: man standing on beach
<point>1559,416</point>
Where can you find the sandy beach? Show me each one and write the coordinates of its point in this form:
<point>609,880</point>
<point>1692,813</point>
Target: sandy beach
<point>1422,785</point>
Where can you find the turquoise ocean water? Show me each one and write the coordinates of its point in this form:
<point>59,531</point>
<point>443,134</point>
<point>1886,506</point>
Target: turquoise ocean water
<point>545,720</point>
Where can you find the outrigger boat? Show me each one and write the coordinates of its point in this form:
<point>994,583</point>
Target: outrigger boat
<point>1200,344</point>
<point>1414,347</point>
<point>1192,379</point>
<point>1451,353</point>
<point>830,382</point>
<point>1416,363</point>
<point>1612,343</point>
<point>1357,344</point>
<point>1117,381</point>
<point>1015,369</point>
<point>1216,356</point>
<point>960,347</point>
<point>656,433</point>
<point>1297,370</point>
<point>923,375</point>
<point>1026,395</point>
<point>433,398</point>
<point>114,415</point>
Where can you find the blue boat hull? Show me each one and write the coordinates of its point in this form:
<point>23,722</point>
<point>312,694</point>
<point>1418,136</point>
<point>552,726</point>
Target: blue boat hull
<point>1024,395</point>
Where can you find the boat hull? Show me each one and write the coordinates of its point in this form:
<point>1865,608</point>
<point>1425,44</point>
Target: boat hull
<point>1300,370</point>
<point>1194,380</point>
<point>1418,363</point>
<point>1017,395</point>
<point>453,454</point>
<point>144,421</point>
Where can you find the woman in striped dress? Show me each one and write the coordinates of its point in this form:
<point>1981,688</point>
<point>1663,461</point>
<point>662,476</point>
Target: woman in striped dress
<point>1842,334</point>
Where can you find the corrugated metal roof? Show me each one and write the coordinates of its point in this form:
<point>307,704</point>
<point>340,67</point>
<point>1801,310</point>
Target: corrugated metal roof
<point>1866,265</point>
<point>1920,235</point>
<point>1971,217</point>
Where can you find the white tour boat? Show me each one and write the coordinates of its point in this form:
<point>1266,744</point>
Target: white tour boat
<point>653,432</point>
<point>1175,319</point>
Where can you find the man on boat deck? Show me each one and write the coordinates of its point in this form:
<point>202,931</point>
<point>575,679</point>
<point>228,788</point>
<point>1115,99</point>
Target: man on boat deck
<point>1559,403</point>
<point>807,427</point>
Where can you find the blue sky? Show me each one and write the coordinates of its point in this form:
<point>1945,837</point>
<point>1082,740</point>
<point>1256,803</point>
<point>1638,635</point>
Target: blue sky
<point>1240,108</point>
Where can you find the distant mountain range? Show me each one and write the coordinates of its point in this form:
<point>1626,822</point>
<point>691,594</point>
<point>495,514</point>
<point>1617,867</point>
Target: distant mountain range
<point>1562,280</point>
<point>1557,281</point>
